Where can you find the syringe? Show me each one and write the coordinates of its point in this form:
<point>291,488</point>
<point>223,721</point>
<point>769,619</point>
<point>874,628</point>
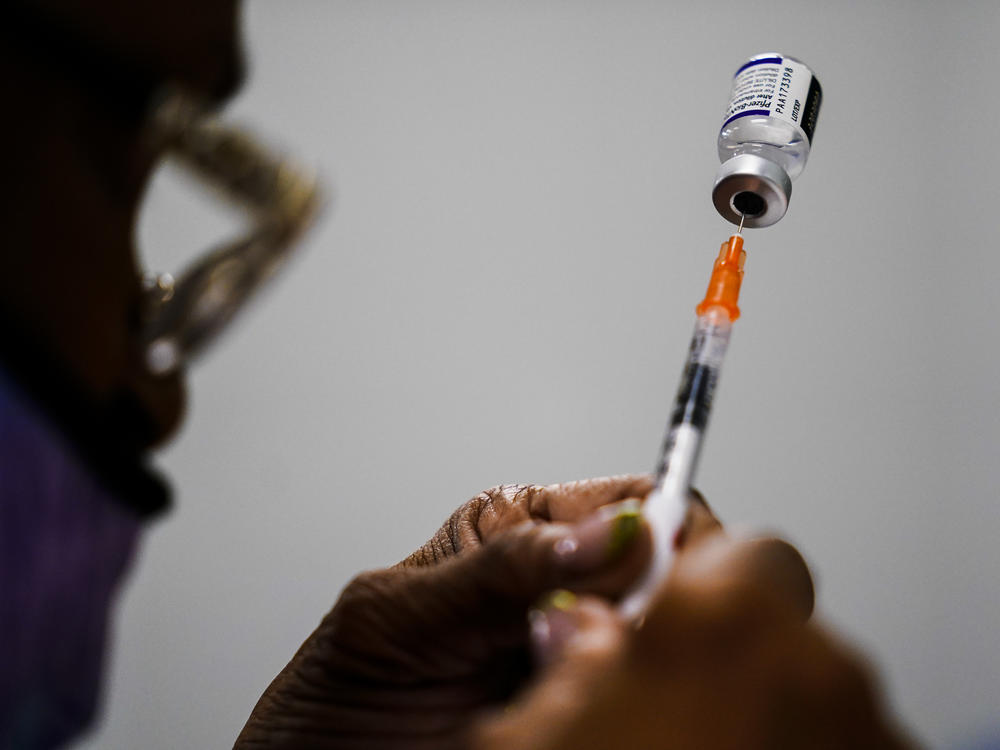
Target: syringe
<point>666,506</point>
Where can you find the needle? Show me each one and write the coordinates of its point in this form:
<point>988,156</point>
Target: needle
<point>742,219</point>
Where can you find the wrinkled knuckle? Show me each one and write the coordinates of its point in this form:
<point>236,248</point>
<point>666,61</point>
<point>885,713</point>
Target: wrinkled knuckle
<point>489,501</point>
<point>523,493</point>
<point>468,511</point>
<point>504,491</point>
<point>475,506</point>
<point>509,493</point>
<point>501,506</point>
<point>488,496</point>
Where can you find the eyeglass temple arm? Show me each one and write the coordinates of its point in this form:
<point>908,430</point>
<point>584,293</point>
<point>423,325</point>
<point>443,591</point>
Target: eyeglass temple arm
<point>281,200</point>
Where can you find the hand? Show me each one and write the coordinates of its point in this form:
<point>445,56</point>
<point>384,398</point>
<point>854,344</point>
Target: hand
<point>410,655</point>
<point>723,659</point>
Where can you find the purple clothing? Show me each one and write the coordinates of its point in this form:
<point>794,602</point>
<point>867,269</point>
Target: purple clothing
<point>65,544</point>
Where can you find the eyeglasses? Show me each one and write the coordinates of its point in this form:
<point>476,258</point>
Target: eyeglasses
<point>182,316</point>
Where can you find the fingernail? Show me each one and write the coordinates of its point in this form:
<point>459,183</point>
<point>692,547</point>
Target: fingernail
<point>552,623</point>
<point>601,538</point>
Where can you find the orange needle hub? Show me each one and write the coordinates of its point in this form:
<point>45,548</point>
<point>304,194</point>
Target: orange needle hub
<point>727,275</point>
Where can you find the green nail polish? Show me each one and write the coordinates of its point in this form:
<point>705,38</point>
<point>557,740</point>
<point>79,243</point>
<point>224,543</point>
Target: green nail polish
<point>561,599</point>
<point>625,529</point>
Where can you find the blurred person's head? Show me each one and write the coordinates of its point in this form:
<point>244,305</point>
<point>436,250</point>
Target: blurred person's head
<point>191,42</point>
<point>78,78</point>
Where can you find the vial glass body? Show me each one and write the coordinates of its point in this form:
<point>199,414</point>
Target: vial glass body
<point>765,137</point>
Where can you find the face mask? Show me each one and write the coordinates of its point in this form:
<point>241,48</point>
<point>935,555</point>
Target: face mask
<point>64,546</point>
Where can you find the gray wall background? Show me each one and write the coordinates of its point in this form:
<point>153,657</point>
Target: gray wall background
<point>504,293</point>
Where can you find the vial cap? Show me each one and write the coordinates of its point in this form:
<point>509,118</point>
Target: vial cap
<point>751,186</point>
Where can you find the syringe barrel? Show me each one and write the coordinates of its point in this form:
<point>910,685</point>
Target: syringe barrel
<point>701,373</point>
<point>666,507</point>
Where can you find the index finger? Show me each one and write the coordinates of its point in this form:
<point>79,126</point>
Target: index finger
<point>572,501</point>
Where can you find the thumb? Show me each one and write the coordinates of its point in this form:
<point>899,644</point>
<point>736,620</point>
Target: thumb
<point>602,554</point>
<point>461,611</point>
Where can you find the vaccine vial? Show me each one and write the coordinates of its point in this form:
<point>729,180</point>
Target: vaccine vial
<point>766,134</point>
